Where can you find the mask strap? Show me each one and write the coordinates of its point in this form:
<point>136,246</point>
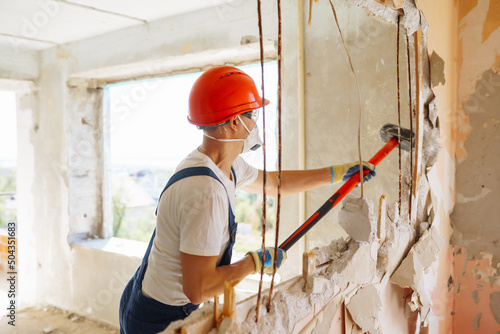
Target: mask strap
<point>218,139</point>
<point>243,124</point>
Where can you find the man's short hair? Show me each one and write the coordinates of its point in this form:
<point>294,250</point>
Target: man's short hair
<point>211,127</point>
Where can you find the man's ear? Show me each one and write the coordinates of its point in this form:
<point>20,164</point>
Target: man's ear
<point>233,122</point>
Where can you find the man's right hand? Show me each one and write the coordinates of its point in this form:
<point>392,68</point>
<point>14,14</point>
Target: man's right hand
<point>270,253</point>
<point>345,171</point>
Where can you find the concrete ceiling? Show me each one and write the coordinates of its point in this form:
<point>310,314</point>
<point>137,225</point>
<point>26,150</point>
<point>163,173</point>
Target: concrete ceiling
<point>40,24</point>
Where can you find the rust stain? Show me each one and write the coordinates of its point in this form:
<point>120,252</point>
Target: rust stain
<point>492,21</point>
<point>465,7</point>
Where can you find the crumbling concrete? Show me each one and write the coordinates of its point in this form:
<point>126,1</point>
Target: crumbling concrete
<point>410,274</point>
<point>364,308</point>
<point>344,272</point>
<point>357,219</point>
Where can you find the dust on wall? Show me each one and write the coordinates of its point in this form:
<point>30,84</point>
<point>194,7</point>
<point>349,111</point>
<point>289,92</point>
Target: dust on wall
<point>476,235</point>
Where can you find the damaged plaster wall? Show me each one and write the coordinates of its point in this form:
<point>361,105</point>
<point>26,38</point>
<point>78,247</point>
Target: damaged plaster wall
<point>476,233</point>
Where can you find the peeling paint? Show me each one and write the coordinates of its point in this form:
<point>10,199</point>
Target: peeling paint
<point>476,294</point>
<point>437,70</point>
<point>475,297</point>
<point>475,323</point>
<point>465,8</point>
<point>492,21</point>
<point>495,305</point>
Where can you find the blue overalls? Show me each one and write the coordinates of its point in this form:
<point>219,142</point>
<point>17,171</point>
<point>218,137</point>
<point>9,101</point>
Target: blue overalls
<point>143,315</point>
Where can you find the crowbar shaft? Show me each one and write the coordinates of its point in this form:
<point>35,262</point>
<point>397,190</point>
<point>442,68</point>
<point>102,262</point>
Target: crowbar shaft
<point>337,197</point>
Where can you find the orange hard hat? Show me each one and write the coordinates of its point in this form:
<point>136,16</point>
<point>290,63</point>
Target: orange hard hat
<point>221,93</point>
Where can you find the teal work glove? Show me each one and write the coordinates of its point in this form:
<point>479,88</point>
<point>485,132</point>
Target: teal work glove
<point>268,260</point>
<point>345,171</point>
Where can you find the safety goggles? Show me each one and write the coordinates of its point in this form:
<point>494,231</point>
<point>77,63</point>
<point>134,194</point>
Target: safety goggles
<point>253,115</point>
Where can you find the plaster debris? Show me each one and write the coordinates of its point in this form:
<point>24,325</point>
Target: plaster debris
<point>433,111</point>
<point>411,18</point>
<point>364,308</point>
<point>410,274</point>
<point>333,251</point>
<point>207,308</point>
<point>356,266</point>
<point>357,219</point>
<point>420,257</point>
<point>396,246</point>
<point>428,246</point>
<point>349,273</point>
<point>422,229</point>
<point>431,145</point>
<point>287,308</point>
<point>413,304</point>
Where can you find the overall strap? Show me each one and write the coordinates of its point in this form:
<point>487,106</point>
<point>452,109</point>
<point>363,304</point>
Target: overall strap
<point>183,173</point>
<point>234,176</point>
<point>187,172</point>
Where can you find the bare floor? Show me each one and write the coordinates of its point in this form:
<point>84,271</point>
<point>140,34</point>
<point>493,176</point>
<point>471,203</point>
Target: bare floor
<point>52,320</point>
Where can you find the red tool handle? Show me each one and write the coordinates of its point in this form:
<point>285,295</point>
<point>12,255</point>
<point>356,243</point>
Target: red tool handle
<point>337,197</point>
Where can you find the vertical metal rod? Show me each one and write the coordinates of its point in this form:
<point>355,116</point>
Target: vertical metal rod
<point>399,113</point>
<point>411,125</point>
<point>264,204</point>
<point>301,77</point>
<point>417,42</point>
<point>278,208</point>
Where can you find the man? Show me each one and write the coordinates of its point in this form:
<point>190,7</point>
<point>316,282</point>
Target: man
<point>189,256</point>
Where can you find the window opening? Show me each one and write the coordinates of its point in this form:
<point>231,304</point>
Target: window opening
<point>150,135</point>
<point>8,158</point>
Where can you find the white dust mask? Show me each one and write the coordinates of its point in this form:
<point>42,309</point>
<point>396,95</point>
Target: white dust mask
<point>251,143</point>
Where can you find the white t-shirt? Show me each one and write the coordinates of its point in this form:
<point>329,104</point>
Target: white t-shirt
<point>192,218</point>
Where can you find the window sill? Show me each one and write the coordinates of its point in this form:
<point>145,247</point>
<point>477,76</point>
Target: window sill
<point>113,245</point>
